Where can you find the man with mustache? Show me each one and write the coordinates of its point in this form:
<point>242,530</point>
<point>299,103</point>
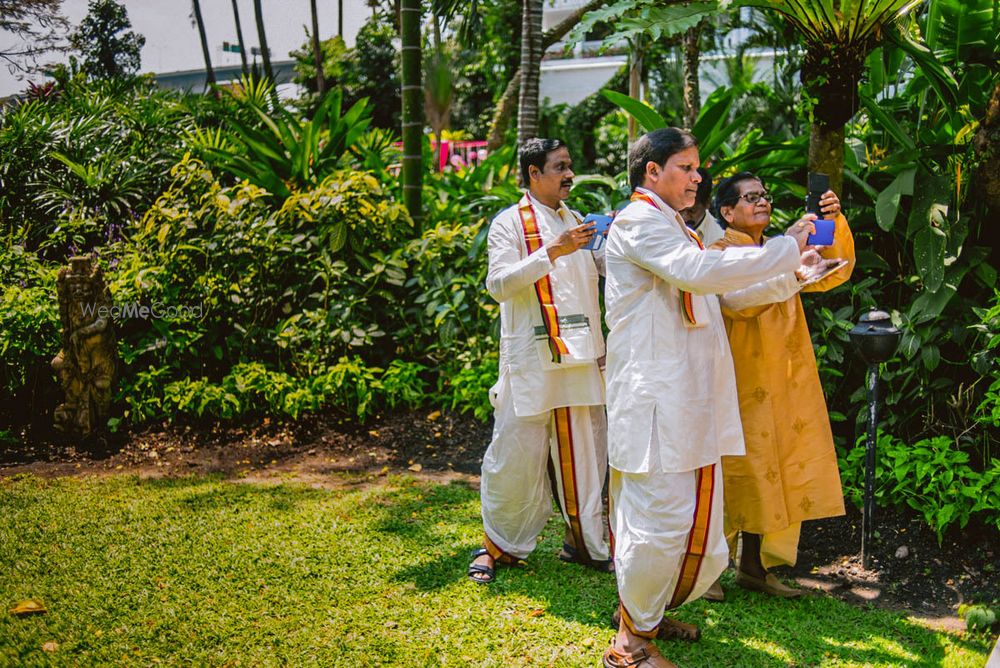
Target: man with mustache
<point>549,398</point>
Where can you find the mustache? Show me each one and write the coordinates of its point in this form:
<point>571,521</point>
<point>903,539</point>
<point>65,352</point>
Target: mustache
<point>567,182</point>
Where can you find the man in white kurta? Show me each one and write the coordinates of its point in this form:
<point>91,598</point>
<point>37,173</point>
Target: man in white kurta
<point>549,398</point>
<point>672,405</point>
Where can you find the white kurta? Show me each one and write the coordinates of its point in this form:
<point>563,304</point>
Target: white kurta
<point>663,374</point>
<point>672,405</point>
<point>537,384</point>
<point>709,230</point>
<point>544,411</point>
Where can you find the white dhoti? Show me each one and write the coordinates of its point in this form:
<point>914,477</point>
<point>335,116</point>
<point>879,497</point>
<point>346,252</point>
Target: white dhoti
<point>668,538</point>
<point>515,488</point>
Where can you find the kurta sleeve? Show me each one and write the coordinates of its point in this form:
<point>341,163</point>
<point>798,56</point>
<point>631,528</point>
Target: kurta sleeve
<point>664,250</point>
<point>508,272</point>
<point>750,302</point>
<point>842,247</point>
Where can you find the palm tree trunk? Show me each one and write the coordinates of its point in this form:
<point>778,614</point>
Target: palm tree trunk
<point>531,63</point>
<point>692,58</point>
<point>635,58</point>
<point>265,53</point>
<point>317,52</point>
<point>209,72</point>
<point>826,153</point>
<point>239,37</point>
<point>413,125</point>
<point>505,105</point>
<point>987,145</point>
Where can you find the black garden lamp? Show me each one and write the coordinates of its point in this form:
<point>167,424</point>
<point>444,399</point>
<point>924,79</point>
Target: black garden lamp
<point>876,339</point>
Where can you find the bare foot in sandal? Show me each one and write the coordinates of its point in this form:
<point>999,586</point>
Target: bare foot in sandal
<point>482,570</point>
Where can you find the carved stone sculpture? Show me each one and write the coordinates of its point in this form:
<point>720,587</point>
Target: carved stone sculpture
<point>88,359</point>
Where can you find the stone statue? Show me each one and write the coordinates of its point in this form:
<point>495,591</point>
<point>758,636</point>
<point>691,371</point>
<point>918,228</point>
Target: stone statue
<point>88,359</point>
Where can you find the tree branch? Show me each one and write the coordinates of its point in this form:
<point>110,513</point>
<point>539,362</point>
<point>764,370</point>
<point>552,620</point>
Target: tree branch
<point>508,101</point>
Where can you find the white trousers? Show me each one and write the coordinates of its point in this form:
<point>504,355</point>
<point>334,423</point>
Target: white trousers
<point>669,541</point>
<point>515,488</point>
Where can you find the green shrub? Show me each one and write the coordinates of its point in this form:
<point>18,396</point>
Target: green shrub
<point>466,386</point>
<point>978,618</point>
<point>931,476</point>
<point>252,389</point>
<point>301,285</point>
<point>29,320</point>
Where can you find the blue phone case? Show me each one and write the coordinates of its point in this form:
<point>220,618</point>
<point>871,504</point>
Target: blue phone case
<point>601,225</point>
<point>823,236</point>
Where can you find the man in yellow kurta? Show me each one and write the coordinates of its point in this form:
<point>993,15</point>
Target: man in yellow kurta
<point>789,473</point>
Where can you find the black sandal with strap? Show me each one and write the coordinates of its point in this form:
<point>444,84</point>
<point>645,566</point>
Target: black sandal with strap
<point>475,569</point>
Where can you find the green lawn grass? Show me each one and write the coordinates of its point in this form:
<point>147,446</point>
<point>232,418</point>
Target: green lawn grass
<point>211,572</point>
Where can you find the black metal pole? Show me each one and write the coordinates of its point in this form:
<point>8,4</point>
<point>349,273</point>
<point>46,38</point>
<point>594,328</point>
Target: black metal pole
<point>870,444</point>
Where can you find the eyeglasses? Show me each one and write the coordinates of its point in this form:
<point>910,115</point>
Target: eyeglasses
<point>753,198</point>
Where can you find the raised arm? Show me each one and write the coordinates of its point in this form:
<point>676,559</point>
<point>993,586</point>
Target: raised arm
<point>750,302</point>
<point>662,249</point>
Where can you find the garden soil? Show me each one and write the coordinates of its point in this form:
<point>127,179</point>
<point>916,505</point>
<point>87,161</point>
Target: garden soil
<point>909,570</point>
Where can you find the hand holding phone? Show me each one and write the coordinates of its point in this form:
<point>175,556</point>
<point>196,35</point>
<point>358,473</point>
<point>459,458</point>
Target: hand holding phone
<point>819,184</point>
<point>601,226</point>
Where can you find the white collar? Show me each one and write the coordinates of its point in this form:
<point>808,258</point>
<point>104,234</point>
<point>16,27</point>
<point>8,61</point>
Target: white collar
<point>660,204</point>
<point>555,213</point>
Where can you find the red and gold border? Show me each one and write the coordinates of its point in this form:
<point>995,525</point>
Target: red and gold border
<point>697,538</point>
<point>627,618</point>
<point>543,286</point>
<point>567,469</point>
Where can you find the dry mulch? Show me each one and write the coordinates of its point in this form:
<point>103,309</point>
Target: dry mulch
<point>909,571</point>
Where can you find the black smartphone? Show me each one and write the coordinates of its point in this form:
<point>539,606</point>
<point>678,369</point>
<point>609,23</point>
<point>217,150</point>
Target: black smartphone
<point>818,184</point>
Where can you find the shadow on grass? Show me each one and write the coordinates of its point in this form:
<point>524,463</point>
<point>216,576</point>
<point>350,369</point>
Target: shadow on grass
<point>749,629</point>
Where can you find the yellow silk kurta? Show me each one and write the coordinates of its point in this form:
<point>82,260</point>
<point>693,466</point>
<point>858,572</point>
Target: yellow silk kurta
<point>789,473</point>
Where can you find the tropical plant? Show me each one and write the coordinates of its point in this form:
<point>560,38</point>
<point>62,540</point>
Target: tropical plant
<point>713,127</point>
<point>29,333</point>
<point>90,155</point>
<point>511,94</point>
<point>282,153</point>
<point>931,476</point>
<point>642,23</point>
<point>108,47</point>
<point>838,37</point>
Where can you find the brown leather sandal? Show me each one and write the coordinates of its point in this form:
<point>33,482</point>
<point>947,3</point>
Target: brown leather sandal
<point>669,628</point>
<point>647,656</point>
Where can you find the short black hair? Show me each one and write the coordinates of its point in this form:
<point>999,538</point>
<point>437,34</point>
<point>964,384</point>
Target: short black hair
<point>533,153</point>
<point>728,192</point>
<point>704,188</point>
<point>656,146</point>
